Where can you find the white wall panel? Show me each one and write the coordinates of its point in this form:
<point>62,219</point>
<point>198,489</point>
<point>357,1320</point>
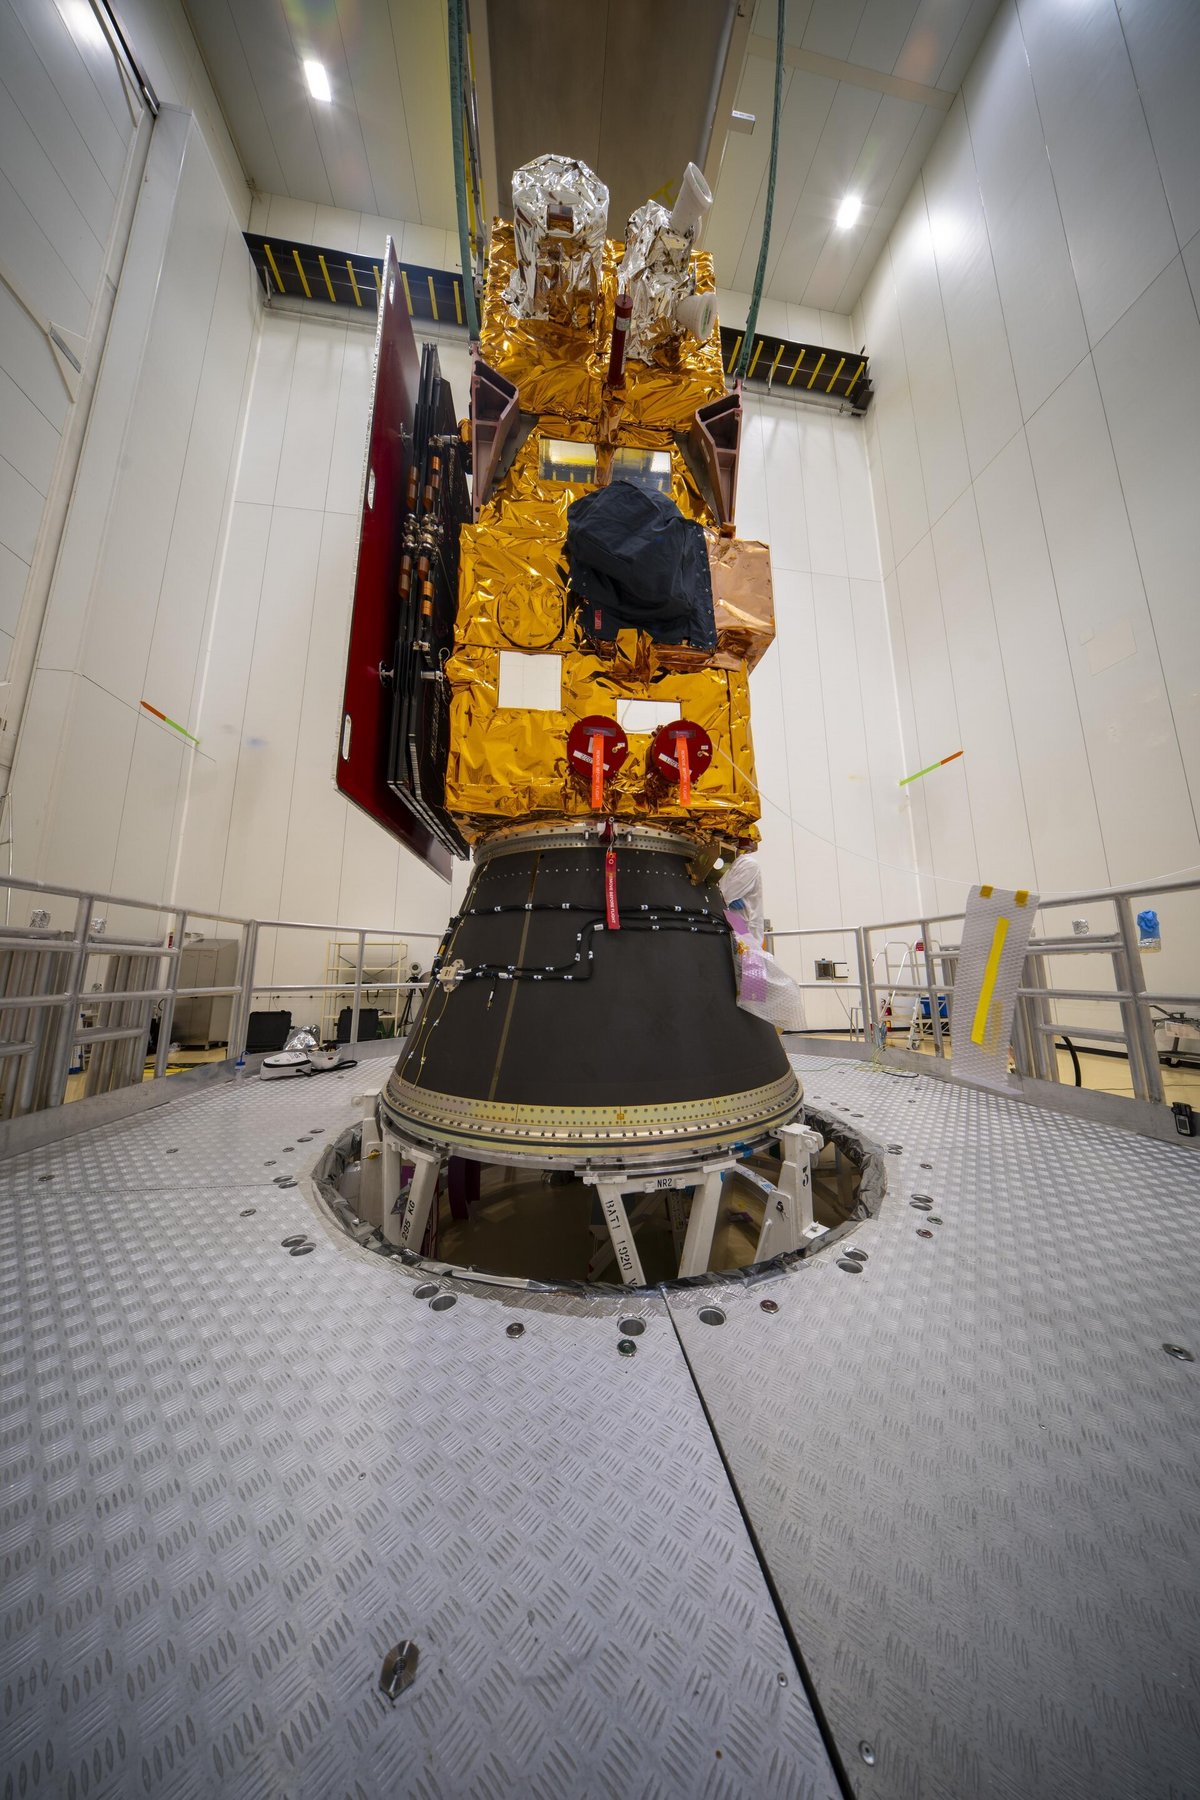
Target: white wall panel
<point>1156,442</point>
<point>934,399</point>
<point>267,832</point>
<point>262,445</point>
<point>1064,822</point>
<point>145,510</point>
<point>1046,617</point>
<point>162,39</point>
<point>983,371</point>
<point>904,482</point>
<point>895,847</point>
<point>1109,186</point>
<point>98,785</point>
<point>1042,314</point>
<point>836,837</point>
<point>344,491</point>
<point>985,730</point>
<point>819,473</point>
<point>303,476</point>
<point>1164,48</point>
<point>1118,673</point>
<point>851,799</point>
<point>96,495</point>
<point>80,68</point>
<point>58,210</point>
<point>221,707</point>
<point>89,784</point>
<point>938,730</point>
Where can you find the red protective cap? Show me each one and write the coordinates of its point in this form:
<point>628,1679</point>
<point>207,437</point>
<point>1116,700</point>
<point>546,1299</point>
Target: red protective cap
<point>579,747</point>
<point>664,750</point>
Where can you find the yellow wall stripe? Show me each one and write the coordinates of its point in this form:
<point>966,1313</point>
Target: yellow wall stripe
<point>817,370</point>
<point>302,275</point>
<point>458,300</point>
<point>328,283</point>
<point>274,267</point>
<point>378,281</point>
<point>834,376</point>
<point>990,970</point>
<point>758,350</point>
<point>775,364</point>
<point>432,296</point>
<point>795,368</point>
<point>733,356</point>
<point>407,293</point>
<point>353,282</point>
<point>854,378</point>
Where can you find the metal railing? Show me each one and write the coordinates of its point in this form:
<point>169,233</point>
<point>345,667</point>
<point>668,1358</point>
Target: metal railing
<point>45,993</point>
<point>1037,1022</point>
<point>45,972</point>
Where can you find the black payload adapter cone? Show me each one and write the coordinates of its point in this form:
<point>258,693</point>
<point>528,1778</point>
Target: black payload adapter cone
<point>550,1037</point>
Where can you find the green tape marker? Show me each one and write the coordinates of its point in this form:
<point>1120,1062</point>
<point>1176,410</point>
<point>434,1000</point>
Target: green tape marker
<point>174,724</point>
<point>929,771</point>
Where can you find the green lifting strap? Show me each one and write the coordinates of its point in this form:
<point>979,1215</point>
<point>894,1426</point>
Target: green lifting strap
<point>458,36</point>
<point>760,272</point>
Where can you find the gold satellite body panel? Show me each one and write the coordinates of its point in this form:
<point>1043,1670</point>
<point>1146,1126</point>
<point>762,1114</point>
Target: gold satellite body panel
<point>508,763</point>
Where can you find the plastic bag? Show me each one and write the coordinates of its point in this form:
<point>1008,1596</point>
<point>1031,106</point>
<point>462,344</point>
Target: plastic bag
<point>764,986</point>
<point>742,888</point>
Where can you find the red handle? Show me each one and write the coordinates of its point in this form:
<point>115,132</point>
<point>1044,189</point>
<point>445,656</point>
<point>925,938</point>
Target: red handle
<point>685,771</point>
<point>612,916</point>
<point>597,773</point>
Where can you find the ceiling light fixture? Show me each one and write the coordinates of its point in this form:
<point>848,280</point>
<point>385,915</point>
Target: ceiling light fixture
<point>317,79</point>
<point>848,211</point>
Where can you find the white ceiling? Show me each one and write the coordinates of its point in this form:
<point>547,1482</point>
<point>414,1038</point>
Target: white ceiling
<point>383,146</point>
<point>866,87</point>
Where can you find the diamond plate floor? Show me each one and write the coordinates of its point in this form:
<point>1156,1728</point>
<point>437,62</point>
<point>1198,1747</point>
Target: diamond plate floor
<point>233,1478</point>
<point>972,1469</point>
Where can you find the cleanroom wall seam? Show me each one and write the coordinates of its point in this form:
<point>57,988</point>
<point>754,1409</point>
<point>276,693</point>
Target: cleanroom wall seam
<point>934,856</point>
<point>1027,417</point>
<point>970,489</point>
<point>232,9</point>
<point>217,576</point>
<point>1137,557</point>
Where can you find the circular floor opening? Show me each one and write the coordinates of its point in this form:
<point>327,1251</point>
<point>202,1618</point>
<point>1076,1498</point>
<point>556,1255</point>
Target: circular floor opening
<point>548,1226</point>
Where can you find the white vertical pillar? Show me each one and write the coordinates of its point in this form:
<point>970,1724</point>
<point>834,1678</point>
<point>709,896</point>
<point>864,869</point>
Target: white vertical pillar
<point>697,1245</point>
<point>612,1205</point>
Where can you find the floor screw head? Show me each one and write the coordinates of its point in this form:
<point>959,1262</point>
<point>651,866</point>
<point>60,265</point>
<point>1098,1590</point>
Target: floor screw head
<point>769,1306</point>
<point>1179,1353</point>
<point>626,1347</point>
<point>515,1330</point>
<point>867,1752</point>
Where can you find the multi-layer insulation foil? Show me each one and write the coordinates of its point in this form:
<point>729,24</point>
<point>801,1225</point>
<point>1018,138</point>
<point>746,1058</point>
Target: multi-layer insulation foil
<point>559,366</point>
<point>560,211</point>
<point>508,762</point>
<point>656,271</point>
